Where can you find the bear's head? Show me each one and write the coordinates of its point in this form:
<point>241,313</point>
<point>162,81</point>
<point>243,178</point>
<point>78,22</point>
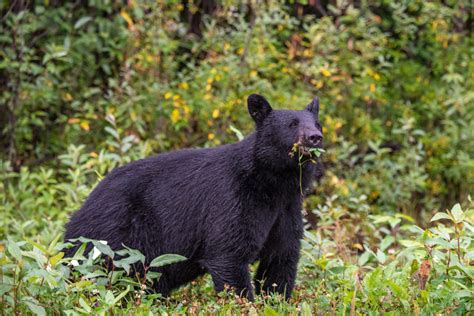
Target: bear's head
<point>281,132</point>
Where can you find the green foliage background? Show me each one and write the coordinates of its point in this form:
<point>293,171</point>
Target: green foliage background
<point>90,85</point>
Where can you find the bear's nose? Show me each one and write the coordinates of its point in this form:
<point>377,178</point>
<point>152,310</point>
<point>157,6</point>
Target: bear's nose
<point>314,139</point>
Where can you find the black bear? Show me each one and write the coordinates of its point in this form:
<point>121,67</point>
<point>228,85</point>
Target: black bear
<point>222,208</point>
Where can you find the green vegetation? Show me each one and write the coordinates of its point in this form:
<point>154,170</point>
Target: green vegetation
<point>86,88</point>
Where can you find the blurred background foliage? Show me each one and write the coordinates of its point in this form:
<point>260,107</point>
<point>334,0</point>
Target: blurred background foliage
<point>127,80</point>
<point>86,86</point>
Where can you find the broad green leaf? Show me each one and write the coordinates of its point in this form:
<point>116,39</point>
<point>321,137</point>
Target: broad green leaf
<point>82,21</point>
<point>457,213</point>
<point>381,257</point>
<point>463,293</point>
<point>364,258</point>
<point>406,217</point>
<point>134,255</point>
<point>36,309</point>
<point>5,287</point>
<point>386,242</point>
<point>55,259</point>
<point>112,132</point>
<point>398,290</point>
<point>439,216</point>
<point>14,249</point>
<point>411,243</point>
<point>122,264</point>
<point>268,311</point>
<point>394,221</point>
<point>103,248</point>
<point>469,255</point>
<point>84,305</point>
<point>166,259</point>
<point>109,298</point>
<point>306,309</point>
<point>82,284</point>
<point>95,274</point>
<point>469,272</point>
<point>116,275</point>
<point>443,242</point>
<point>54,243</point>
<point>37,255</point>
<point>35,244</point>
<point>121,295</point>
<point>441,231</point>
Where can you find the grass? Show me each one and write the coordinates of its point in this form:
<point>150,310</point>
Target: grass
<point>415,272</point>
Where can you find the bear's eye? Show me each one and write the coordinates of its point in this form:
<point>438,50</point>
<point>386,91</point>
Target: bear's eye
<point>293,123</point>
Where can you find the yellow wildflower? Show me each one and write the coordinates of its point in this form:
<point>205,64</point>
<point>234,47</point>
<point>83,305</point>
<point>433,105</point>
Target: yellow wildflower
<point>168,95</point>
<point>344,190</point>
<point>85,125</point>
<point>374,194</point>
<point>127,18</point>
<point>133,116</point>
<point>215,113</point>
<point>325,72</point>
<point>317,83</point>
<point>175,116</point>
<point>67,97</point>
<point>307,53</point>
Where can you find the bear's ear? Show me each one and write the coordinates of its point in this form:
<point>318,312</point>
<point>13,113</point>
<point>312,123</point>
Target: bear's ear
<point>313,107</point>
<point>259,108</point>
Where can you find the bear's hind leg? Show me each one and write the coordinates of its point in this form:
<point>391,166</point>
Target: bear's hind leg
<point>176,275</point>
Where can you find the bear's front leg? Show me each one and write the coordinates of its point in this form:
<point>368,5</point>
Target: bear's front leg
<point>277,274</point>
<point>279,257</point>
<point>233,274</point>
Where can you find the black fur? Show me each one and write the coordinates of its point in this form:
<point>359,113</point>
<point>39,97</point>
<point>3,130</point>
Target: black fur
<point>222,208</point>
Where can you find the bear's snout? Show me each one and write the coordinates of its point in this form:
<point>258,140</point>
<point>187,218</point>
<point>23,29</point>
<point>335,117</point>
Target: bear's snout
<point>314,140</point>
<point>311,138</point>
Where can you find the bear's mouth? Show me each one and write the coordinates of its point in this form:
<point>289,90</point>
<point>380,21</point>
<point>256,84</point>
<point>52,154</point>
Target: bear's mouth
<point>300,149</point>
<point>305,151</point>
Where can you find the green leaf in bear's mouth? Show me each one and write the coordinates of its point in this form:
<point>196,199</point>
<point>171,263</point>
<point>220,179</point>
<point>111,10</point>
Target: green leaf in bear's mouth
<point>305,151</point>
